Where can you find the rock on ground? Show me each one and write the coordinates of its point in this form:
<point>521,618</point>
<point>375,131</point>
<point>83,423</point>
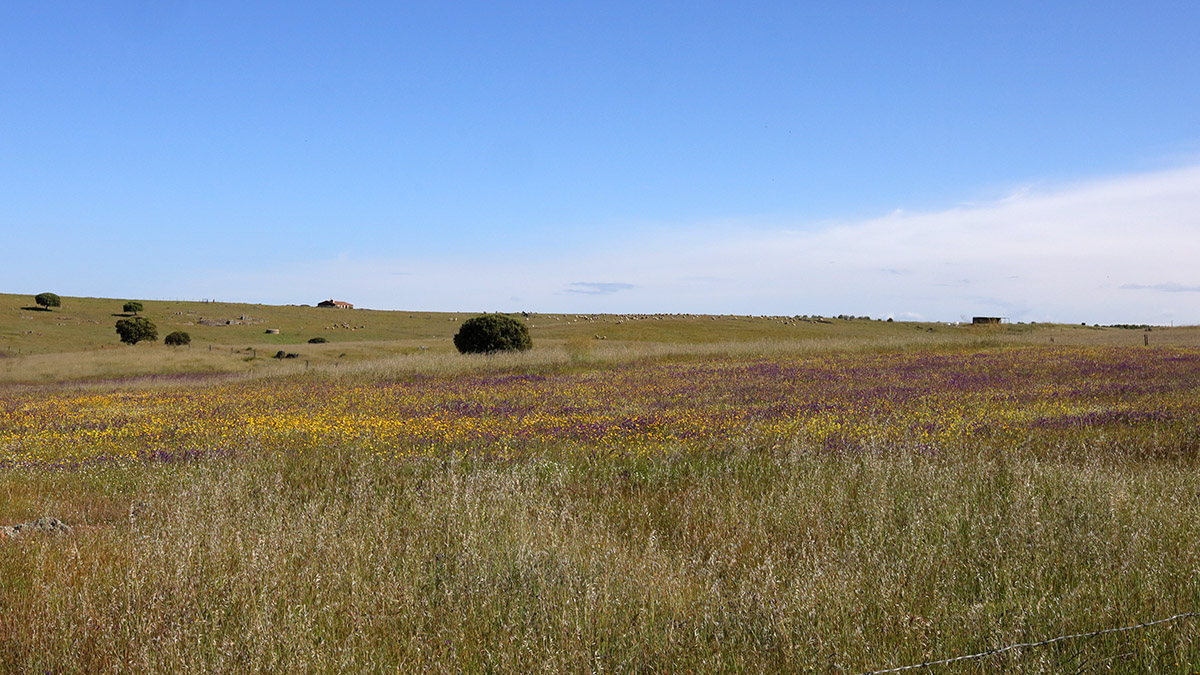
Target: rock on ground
<point>50,525</point>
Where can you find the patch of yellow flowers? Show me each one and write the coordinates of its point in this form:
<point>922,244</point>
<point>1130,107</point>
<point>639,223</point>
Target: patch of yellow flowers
<point>835,402</point>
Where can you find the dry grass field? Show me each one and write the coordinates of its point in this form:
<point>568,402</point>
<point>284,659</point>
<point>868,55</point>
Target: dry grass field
<point>690,494</point>
<point>77,342</point>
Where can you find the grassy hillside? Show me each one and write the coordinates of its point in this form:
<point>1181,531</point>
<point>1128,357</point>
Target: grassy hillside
<point>78,339</point>
<point>87,323</point>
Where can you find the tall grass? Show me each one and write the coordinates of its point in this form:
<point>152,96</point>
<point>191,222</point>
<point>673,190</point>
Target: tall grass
<point>581,354</point>
<point>751,560</point>
<point>757,552</point>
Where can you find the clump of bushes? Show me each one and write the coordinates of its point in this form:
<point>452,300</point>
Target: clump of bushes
<point>317,341</point>
<point>137,329</point>
<point>492,333</point>
<point>178,339</point>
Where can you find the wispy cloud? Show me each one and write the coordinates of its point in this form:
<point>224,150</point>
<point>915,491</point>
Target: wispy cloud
<point>1055,254</point>
<point>597,288</point>
<point>1166,288</point>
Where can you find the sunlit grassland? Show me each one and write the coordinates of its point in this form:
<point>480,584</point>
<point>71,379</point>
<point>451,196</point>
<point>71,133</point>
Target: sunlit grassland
<point>77,341</point>
<point>87,323</point>
<point>830,504</point>
<point>747,560</point>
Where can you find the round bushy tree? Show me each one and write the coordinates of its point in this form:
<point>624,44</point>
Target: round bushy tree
<point>178,339</point>
<point>492,333</point>
<point>136,330</point>
<point>48,300</point>
<point>132,307</point>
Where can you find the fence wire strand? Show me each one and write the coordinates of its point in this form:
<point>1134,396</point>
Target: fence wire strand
<point>1023,645</point>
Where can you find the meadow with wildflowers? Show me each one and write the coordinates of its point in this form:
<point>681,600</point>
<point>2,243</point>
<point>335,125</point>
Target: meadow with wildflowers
<point>813,510</point>
<point>928,402</point>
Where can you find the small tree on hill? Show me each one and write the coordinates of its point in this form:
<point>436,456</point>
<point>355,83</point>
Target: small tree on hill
<point>137,329</point>
<point>132,307</point>
<point>492,333</point>
<point>178,339</point>
<point>48,300</point>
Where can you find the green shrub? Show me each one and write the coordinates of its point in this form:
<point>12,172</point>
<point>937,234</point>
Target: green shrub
<point>317,341</point>
<point>178,339</point>
<point>48,300</point>
<point>136,330</point>
<point>132,307</point>
<point>492,333</point>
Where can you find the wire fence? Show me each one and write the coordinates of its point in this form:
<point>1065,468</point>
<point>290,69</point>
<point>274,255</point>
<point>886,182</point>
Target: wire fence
<point>1028,645</point>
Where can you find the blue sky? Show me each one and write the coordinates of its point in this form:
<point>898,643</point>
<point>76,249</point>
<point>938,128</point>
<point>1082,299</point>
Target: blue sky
<point>698,157</point>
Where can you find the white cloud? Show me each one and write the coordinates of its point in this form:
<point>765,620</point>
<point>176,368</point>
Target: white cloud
<point>1107,251</point>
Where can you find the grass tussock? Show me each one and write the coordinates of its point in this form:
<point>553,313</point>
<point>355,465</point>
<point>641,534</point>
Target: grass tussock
<point>750,561</point>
